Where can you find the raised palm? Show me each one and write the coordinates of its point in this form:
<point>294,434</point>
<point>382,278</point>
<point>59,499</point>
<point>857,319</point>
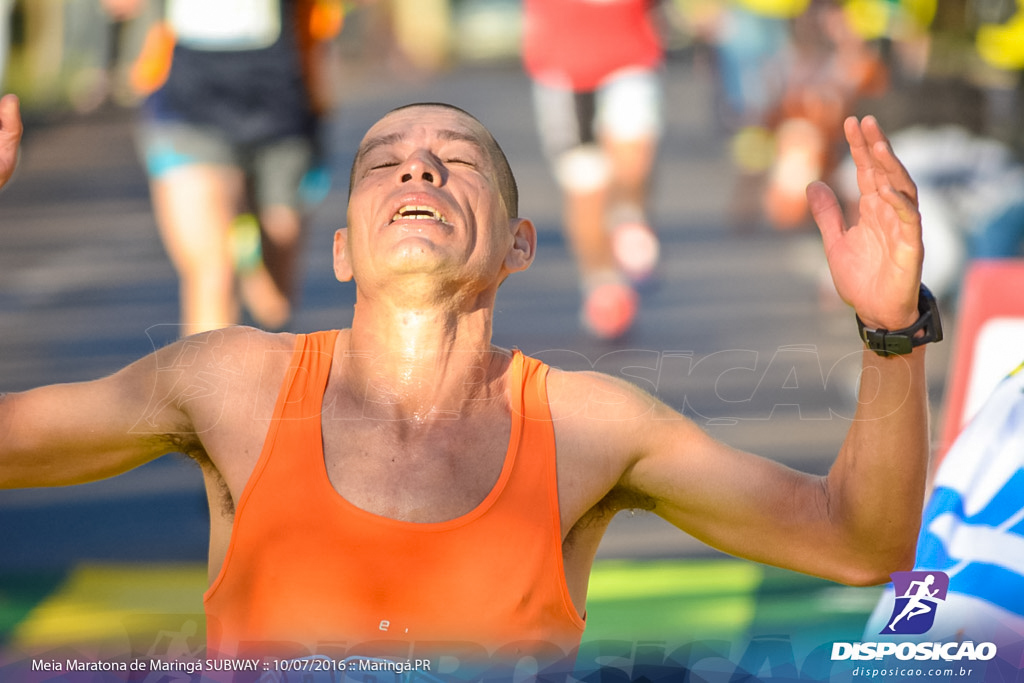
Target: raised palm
<point>876,263</point>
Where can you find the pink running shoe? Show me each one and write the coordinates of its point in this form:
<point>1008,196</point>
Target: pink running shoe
<point>609,310</point>
<point>636,250</point>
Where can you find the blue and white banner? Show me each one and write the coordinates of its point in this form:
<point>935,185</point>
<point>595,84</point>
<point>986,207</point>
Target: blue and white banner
<point>973,527</point>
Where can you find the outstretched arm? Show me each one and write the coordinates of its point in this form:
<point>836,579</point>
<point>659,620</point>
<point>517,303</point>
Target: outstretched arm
<point>10,136</point>
<point>858,523</point>
<point>172,400</point>
<point>73,433</point>
<point>200,395</point>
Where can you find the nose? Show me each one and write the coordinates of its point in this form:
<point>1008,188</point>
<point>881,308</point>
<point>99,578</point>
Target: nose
<point>422,166</point>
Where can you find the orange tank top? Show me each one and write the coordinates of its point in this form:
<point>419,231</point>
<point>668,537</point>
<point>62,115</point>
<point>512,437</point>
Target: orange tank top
<point>308,572</point>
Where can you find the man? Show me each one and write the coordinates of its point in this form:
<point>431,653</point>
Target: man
<point>400,492</point>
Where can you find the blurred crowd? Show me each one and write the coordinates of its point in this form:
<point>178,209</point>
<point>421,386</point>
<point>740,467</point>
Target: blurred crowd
<point>942,75</point>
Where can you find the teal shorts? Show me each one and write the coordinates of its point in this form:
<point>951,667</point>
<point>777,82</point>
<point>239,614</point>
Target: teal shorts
<point>276,170</point>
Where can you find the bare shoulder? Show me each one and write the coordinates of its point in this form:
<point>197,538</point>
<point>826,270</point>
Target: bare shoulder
<point>604,426</point>
<point>602,421</point>
<point>599,397</point>
<point>225,382</point>
<point>209,375</point>
<point>228,353</point>
<point>609,424</point>
<point>237,343</point>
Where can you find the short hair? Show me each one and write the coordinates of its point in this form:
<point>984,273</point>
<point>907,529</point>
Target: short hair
<point>506,179</point>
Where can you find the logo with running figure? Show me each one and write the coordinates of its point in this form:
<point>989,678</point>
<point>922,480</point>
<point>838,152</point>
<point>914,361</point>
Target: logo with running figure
<point>918,595</point>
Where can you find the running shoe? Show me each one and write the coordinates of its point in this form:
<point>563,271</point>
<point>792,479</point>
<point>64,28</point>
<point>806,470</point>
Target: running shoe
<point>609,309</point>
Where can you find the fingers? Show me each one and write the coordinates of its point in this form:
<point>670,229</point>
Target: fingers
<point>827,213</point>
<point>877,165</point>
<point>861,153</point>
<point>905,208</point>
<point>893,182</point>
<point>893,170</point>
<point>881,176</point>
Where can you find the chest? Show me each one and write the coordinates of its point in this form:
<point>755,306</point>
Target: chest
<point>420,471</point>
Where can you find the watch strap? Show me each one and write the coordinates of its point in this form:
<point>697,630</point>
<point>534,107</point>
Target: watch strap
<point>899,342</point>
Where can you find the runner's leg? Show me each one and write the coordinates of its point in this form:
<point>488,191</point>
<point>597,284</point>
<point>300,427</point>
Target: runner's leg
<point>194,208</point>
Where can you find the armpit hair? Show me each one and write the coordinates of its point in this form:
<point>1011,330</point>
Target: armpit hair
<point>189,444</point>
<point>617,500</point>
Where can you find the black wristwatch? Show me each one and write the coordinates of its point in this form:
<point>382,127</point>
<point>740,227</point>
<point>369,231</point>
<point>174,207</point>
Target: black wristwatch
<point>898,342</point>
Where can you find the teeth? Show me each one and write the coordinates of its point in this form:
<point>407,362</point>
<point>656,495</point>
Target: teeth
<point>418,213</point>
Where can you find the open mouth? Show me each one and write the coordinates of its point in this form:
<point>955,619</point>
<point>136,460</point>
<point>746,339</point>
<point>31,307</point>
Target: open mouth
<point>424,213</point>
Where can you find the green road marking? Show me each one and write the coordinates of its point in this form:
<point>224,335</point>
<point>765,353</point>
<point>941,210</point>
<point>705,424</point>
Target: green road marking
<point>788,602</point>
<point>686,600</point>
<point>19,594</point>
<point>671,599</point>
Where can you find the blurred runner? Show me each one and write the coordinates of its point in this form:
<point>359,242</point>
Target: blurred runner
<point>787,73</point>
<point>230,142</point>
<point>829,68</point>
<point>597,96</point>
<point>749,41</point>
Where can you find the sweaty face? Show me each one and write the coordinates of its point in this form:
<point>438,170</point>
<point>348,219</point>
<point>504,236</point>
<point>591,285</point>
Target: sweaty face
<point>425,198</point>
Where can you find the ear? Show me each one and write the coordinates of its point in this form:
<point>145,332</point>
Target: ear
<point>524,245</point>
<point>342,263</point>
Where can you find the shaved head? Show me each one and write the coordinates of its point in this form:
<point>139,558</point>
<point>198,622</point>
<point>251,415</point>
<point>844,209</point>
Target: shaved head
<point>506,180</point>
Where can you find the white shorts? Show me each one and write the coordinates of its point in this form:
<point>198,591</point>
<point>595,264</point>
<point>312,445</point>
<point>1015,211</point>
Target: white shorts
<point>626,106</point>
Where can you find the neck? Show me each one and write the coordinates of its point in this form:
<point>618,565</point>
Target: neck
<point>423,362</point>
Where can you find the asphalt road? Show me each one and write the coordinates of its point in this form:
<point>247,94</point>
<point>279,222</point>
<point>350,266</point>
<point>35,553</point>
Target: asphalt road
<point>733,332</point>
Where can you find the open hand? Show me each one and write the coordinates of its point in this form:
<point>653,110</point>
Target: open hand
<point>875,264</point>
